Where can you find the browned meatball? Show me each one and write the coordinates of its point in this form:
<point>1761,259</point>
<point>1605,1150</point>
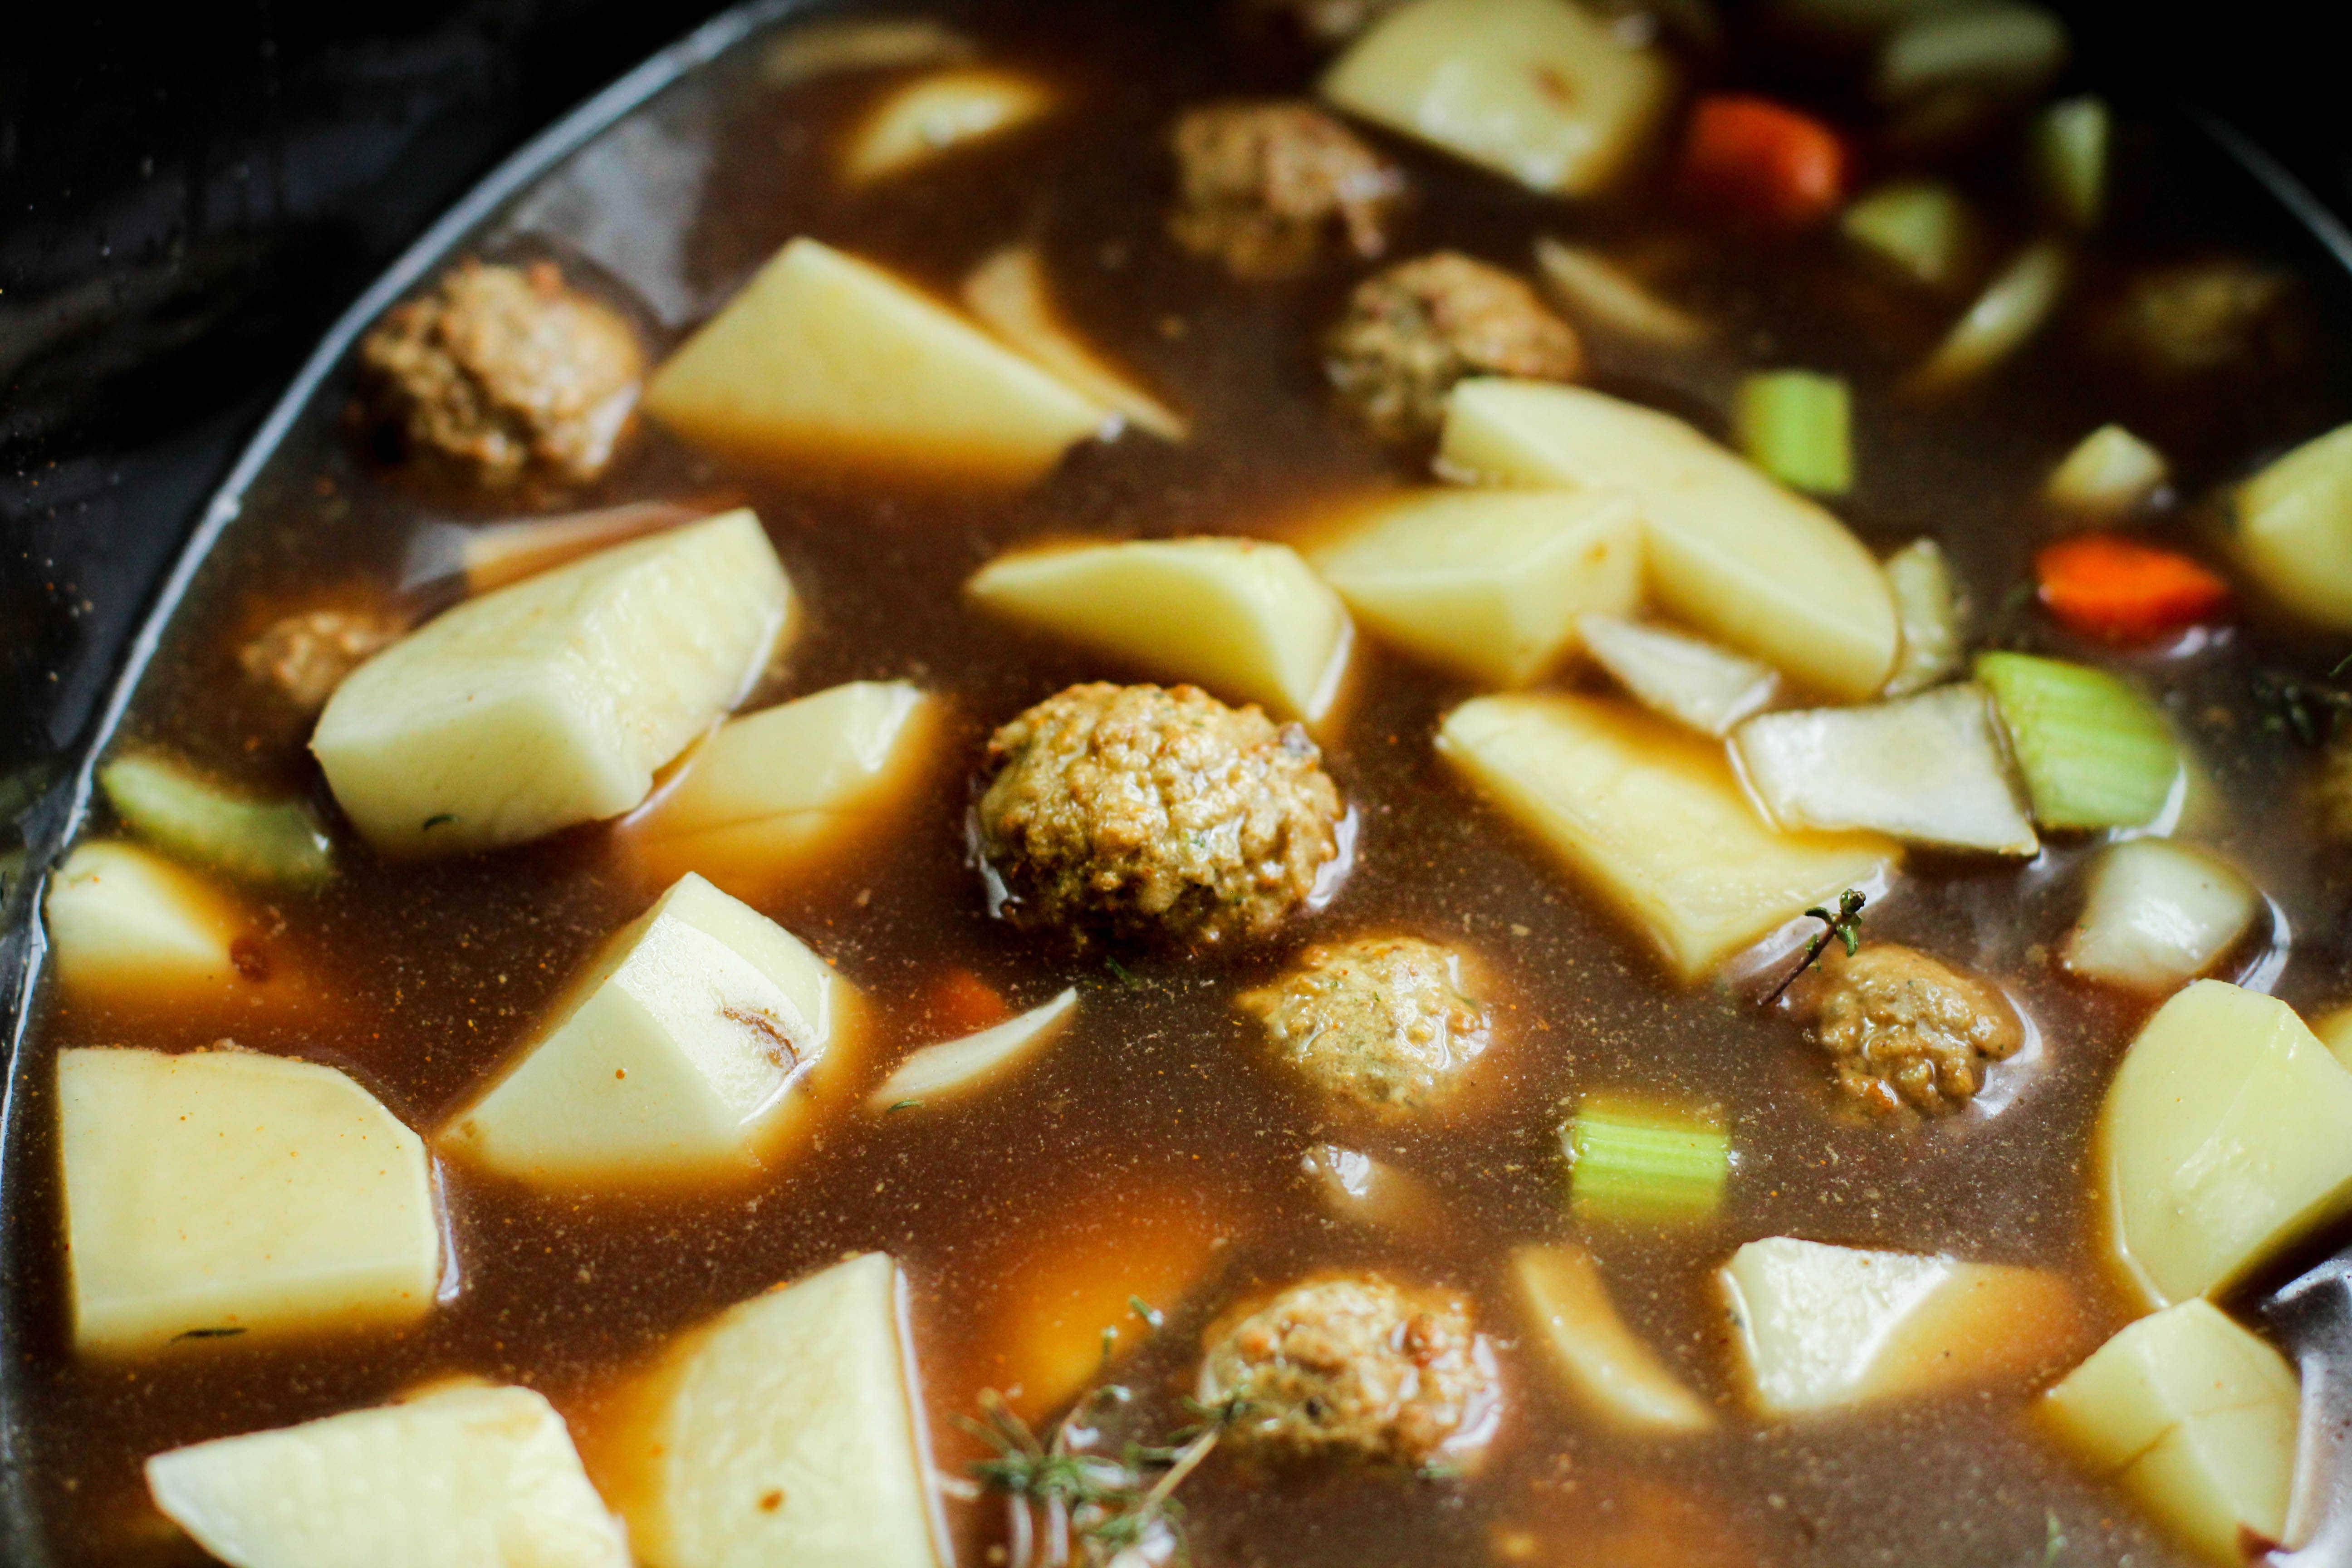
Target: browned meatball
<point>1904,1029</point>
<point>2198,317</point>
<point>1354,1366</point>
<point>1144,810</point>
<point>1413,331</point>
<point>505,371</point>
<point>1263,183</point>
<point>1381,1024</point>
<point>305,656</point>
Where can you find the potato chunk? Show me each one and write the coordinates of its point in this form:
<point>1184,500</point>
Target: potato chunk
<point>1488,582</point>
<point>772,792</point>
<point>827,361</point>
<point>1821,1328</point>
<point>1654,821</point>
<point>125,922</point>
<point>1539,90</point>
<point>2227,1134</point>
<point>1242,618</point>
<point>679,1050</point>
<point>551,701</point>
<point>2196,1417</point>
<point>463,1477</point>
<point>1730,551</point>
<point>935,114</point>
<point>1611,1371</point>
<point>2295,529</point>
<point>787,1430</point>
<point>228,1193</point>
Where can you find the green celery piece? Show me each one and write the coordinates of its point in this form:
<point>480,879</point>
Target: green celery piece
<point>193,819</point>
<point>1797,425</point>
<point>1993,44</point>
<point>2095,752</point>
<point>2069,154</point>
<point>1922,228</point>
<point>1629,1160</point>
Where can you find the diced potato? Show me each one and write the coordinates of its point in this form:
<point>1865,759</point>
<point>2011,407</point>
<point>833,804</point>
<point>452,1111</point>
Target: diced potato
<point>1819,1328</point>
<point>1488,582</point>
<point>1927,609</point>
<point>2227,1134</point>
<point>2295,529</point>
<point>1354,1186</point>
<point>1654,821</point>
<point>787,1430</point>
<point>772,793</point>
<point>1611,1372</point>
<point>935,114</point>
<point>1691,681</point>
<point>1928,768</point>
<point>1730,551</point>
<point>1539,90</point>
<point>1244,618</point>
<point>1008,294</point>
<point>2109,474</point>
<point>226,1193</point>
<point>553,700</point>
<point>825,361</point>
<point>2196,1417</point>
<point>2335,1031</point>
<point>958,1066</point>
<point>484,556</point>
<point>2159,913</point>
<point>463,1477</point>
<point>681,1049</point>
<point>125,922</point>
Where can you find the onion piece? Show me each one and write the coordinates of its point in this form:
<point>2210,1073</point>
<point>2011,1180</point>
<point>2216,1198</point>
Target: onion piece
<point>2014,306</point>
<point>1994,47</point>
<point>1695,683</point>
<point>823,48</point>
<point>955,1066</point>
<point>1355,1186</point>
<point>2157,914</point>
<point>2111,472</point>
<point>1008,293</point>
<point>1928,607</point>
<point>1599,293</point>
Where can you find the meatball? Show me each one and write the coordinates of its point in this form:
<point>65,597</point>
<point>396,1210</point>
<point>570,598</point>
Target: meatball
<point>1143,810</point>
<point>1413,331</point>
<point>1904,1029</point>
<point>1380,1024</point>
<point>305,656</point>
<point>1354,1366</point>
<point>2198,318</point>
<point>1263,183</point>
<point>504,371</point>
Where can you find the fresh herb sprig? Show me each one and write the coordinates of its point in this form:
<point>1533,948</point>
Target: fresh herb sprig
<point>1844,926</point>
<point>1073,1507</point>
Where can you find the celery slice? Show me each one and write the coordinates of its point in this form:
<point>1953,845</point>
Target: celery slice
<point>1797,425</point>
<point>196,820</point>
<point>1631,1160</point>
<point>1921,228</point>
<point>2095,752</point>
<point>2069,157</point>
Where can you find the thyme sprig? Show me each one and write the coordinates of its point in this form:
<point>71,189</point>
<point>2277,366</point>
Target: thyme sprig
<point>1844,926</point>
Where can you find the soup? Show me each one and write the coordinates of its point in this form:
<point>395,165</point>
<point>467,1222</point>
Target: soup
<point>1526,974</point>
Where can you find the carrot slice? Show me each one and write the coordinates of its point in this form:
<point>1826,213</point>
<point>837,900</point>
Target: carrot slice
<point>1764,161</point>
<point>962,1002</point>
<point>2112,588</point>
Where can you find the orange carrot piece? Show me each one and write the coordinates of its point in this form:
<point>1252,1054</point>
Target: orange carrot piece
<point>1764,161</point>
<point>964,1003</point>
<point>2113,588</point>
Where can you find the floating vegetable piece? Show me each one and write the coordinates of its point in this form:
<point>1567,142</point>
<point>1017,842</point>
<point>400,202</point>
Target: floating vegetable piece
<point>2295,529</point>
<point>2110,474</point>
<point>1355,1186</point>
<point>1986,46</point>
<point>825,361</point>
<point>1730,551</point>
<point>918,123</point>
<point>1008,294</point>
<point>2196,1417</point>
<point>1928,606</point>
<point>1798,427</point>
<point>958,1066</point>
<point>2157,913</point>
<point>2014,307</point>
<point>1921,228</point>
<point>787,1429</point>
<point>188,817</point>
<point>462,1476</point>
<point>1611,1372</point>
<point>125,924</point>
<point>1539,90</point>
<point>1763,161</point>
<point>1928,768</point>
<point>552,700</point>
<point>1653,819</point>
<point>1488,582</point>
<point>483,557</point>
<point>228,1193</point>
<point>2069,154</point>
<point>1818,1329</point>
<point>1640,1163</point>
<point>1600,293</point>
<point>817,48</point>
<point>2123,591</point>
<point>2095,752</point>
<point>692,1042</point>
<point>1691,681</point>
<point>2226,1137</point>
<point>1242,618</point>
